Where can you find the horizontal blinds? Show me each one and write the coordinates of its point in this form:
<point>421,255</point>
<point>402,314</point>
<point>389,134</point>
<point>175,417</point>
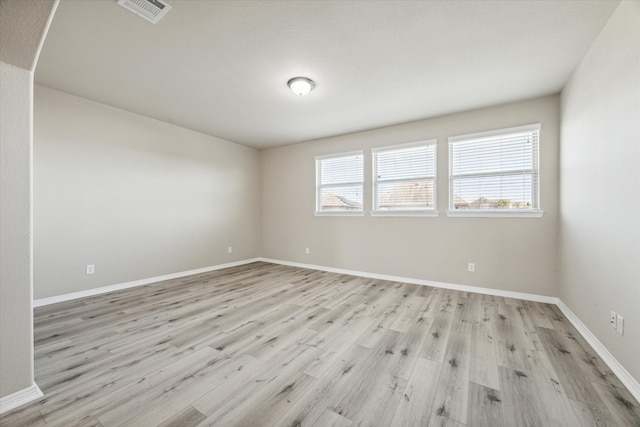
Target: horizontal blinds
<point>498,171</point>
<point>340,183</point>
<point>338,170</point>
<point>405,177</point>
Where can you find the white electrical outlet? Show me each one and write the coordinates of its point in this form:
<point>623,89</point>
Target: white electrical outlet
<point>620,325</point>
<point>613,319</point>
<point>230,249</point>
<point>91,269</point>
<point>471,267</point>
<point>306,251</point>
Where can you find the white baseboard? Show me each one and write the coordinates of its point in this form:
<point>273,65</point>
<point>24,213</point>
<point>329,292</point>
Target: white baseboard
<point>453,286</point>
<point>19,398</point>
<point>104,289</point>
<point>625,377</point>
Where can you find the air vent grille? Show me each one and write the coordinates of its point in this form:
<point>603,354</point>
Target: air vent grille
<point>151,10</point>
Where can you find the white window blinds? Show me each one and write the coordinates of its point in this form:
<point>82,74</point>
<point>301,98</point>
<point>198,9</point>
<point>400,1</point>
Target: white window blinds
<point>339,183</point>
<point>404,178</point>
<point>495,170</point>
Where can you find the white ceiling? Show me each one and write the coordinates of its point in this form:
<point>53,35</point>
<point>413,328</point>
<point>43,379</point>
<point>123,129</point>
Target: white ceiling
<point>221,67</point>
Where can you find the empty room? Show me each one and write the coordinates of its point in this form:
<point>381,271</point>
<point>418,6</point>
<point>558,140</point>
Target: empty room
<point>319,213</point>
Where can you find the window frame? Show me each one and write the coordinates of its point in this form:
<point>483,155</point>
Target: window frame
<point>534,212</point>
<point>320,186</point>
<point>422,212</point>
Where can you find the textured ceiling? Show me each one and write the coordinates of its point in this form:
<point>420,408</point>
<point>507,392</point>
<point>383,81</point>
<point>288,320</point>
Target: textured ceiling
<point>22,24</point>
<point>221,67</point>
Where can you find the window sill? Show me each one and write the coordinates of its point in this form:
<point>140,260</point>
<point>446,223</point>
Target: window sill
<point>405,213</point>
<point>469,213</point>
<point>340,213</point>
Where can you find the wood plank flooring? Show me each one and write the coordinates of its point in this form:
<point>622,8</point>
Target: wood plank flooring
<point>271,345</point>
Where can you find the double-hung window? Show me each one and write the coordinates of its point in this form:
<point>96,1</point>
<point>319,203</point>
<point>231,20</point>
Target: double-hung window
<point>495,173</point>
<point>404,179</point>
<point>339,184</point>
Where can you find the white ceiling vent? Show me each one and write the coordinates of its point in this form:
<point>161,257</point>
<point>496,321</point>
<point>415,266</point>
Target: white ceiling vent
<point>151,10</point>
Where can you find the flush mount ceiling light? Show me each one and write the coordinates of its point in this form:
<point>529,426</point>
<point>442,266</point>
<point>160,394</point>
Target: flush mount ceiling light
<point>301,85</point>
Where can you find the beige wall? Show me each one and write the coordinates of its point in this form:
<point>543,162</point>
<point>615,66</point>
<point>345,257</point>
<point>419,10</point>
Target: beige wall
<point>22,26</point>
<point>600,186</point>
<point>136,197</point>
<point>516,254</point>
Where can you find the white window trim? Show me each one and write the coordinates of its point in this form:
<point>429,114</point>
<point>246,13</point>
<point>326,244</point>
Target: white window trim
<point>478,213</point>
<point>339,213</point>
<point>488,213</point>
<point>407,213</point>
<point>318,201</point>
<point>433,212</point>
<point>485,134</point>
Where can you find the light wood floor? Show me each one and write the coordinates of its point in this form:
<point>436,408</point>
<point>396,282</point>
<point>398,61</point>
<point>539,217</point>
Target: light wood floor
<point>270,345</point>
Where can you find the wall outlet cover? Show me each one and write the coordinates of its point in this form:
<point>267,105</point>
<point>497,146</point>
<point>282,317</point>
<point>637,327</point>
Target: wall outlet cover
<point>620,325</point>
<point>613,319</point>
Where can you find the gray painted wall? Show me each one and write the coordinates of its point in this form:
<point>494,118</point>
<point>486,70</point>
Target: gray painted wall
<point>136,197</point>
<point>600,186</point>
<point>16,320</point>
<point>515,254</point>
<point>23,26</point>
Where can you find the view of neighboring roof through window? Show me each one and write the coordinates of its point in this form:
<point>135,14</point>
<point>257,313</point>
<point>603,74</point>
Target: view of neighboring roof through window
<point>495,173</point>
<point>404,179</point>
<point>339,184</point>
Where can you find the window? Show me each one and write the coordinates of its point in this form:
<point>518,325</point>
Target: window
<point>339,183</point>
<point>404,179</point>
<point>495,173</point>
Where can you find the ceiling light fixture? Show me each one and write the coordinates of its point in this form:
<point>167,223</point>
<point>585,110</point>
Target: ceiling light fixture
<point>301,85</point>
